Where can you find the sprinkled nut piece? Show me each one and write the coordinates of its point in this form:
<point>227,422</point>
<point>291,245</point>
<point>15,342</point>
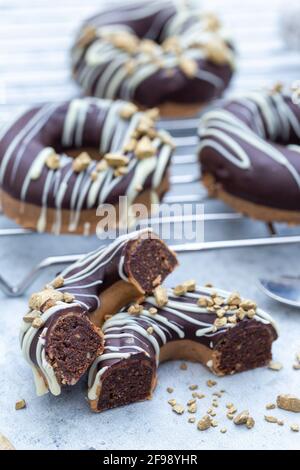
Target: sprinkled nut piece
<point>53,161</point>
<point>161,296</point>
<point>223,430</point>
<point>241,418</point>
<point>88,35</point>
<point>170,389</point>
<point>270,406</point>
<point>153,310</point>
<point>190,285</point>
<point>5,444</point>
<point>150,330</point>
<point>275,366</point>
<point>294,427</point>
<point>145,148</point>
<point>192,420</point>
<point>180,290</point>
<point>204,423</point>
<point>211,383</point>
<point>45,299</point>
<point>192,408</point>
<point>271,419</point>
<point>130,146</point>
<point>289,403</point>
<point>82,162</point>
<point>248,305</point>
<point>172,402</point>
<point>179,409</point>
<point>220,322</point>
<point>135,309</point>
<point>20,405</point>
<point>128,110</point>
<point>121,171</point>
<point>250,423</point>
<point>202,302</point>
<point>101,166</point>
<point>234,299</point>
<point>125,41</point>
<point>68,298</point>
<point>58,282</point>
<point>188,66</point>
<point>183,366</point>
<point>115,160</point>
<point>193,387</point>
<point>31,316</point>
<point>37,323</point>
<point>217,52</point>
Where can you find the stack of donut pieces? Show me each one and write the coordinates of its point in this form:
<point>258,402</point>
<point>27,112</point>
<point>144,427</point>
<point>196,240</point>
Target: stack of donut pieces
<point>110,316</point>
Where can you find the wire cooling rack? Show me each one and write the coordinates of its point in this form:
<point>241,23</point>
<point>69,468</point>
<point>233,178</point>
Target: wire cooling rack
<point>34,43</point>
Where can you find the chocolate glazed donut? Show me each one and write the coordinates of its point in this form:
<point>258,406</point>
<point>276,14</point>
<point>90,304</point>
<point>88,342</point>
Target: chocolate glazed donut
<point>61,335</point>
<point>213,327</point>
<point>250,155</point>
<point>60,162</point>
<point>154,54</point>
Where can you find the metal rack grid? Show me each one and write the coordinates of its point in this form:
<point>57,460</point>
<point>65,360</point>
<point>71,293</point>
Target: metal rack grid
<point>24,78</point>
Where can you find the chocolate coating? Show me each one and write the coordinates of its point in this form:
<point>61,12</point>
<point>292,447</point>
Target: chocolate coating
<point>157,76</point>
<point>250,146</point>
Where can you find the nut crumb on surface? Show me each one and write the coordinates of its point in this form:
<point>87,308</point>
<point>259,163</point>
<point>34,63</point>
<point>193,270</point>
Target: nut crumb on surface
<point>289,403</point>
<point>183,366</point>
<point>211,383</point>
<point>271,419</point>
<point>5,444</point>
<point>20,404</point>
<point>274,365</point>
<point>172,402</point>
<point>170,389</point>
<point>178,409</point>
<point>204,423</point>
<point>241,418</point>
<point>270,406</point>
<point>295,427</point>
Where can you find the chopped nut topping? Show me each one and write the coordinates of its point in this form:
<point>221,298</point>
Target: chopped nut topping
<point>135,309</point>
<point>153,113</point>
<point>170,390</point>
<point>192,408</point>
<point>211,22</point>
<point>20,405</point>
<point>180,290</point>
<point>214,423</point>
<point>289,403</point>
<point>31,316</point>
<point>275,365</point>
<point>179,409</point>
<point>270,406</point>
<point>193,387</point>
<point>101,166</point>
<point>82,162</point>
<point>190,285</point>
<point>116,160</point>
<point>296,366</point>
<point>271,419</point>
<point>94,175</point>
<point>88,35</point>
<point>191,402</point>
<point>153,310</point>
<point>280,422</point>
<point>217,52</point>
<point>145,148</point>
<point>183,366</point>
<point>248,305</point>
<point>250,422</point>
<point>294,427</point>
<point>68,298</point>
<point>232,319</point>
<point>172,402</point>
<point>121,171</point>
<point>219,301</point>
<point>128,110</point>
<point>42,298</point>
<point>125,41</point>
<point>211,383</point>
<point>171,44</point>
<point>198,395</point>
<point>204,423</point>
<point>220,322</point>
<point>188,66</point>
<point>150,330</point>
<point>58,282</point>
<point>241,418</point>
<point>161,296</point>
<point>53,161</point>
<point>130,145</point>
<point>202,302</point>
<point>240,314</point>
<point>234,299</point>
<point>192,420</point>
<point>220,313</point>
<point>223,430</point>
<point>37,323</point>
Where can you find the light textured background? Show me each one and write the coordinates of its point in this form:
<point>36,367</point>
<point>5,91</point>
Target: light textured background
<point>34,39</point>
